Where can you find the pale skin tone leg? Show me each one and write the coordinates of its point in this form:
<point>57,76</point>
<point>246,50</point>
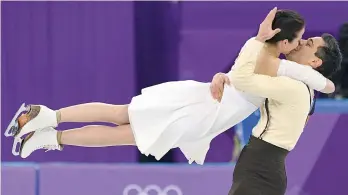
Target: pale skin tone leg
<point>95,112</point>
<point>94,135</point>
<point>97,136</point>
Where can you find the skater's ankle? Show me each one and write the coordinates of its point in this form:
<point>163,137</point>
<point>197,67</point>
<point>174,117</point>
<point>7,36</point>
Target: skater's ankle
<point>59,138</point>
<point>58,116</point>
<point>33,112</point>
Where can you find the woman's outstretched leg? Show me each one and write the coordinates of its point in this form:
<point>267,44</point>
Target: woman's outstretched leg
<point>97,136</point>
<point>88,136</point>
<point>40,116</point>
<point>94,112</point>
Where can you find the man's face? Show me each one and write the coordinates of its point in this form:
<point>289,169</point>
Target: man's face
<point>286,46</point>
<point>305,52</point>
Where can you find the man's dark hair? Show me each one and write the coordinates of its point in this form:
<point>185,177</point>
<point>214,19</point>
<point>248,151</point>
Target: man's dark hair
<point>330,55</point>
<point>290,23</point>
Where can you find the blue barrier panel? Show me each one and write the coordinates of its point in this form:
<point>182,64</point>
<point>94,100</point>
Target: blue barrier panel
<point>18,179</point>
<point>92,179</point>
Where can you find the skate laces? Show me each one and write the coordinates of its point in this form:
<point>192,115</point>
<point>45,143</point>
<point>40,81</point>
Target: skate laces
<point>48,147</point>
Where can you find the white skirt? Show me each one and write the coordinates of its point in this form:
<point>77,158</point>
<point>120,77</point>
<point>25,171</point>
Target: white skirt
<point>184,114</point>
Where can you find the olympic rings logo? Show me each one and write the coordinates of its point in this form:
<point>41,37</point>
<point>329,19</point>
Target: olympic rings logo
<point>134,189</point>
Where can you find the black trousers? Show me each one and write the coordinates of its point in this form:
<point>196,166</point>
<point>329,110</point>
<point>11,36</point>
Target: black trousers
<point>260,170</point>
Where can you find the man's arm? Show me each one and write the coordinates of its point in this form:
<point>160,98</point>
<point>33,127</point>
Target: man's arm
<point>306,74</point>
<point>296,71</point>
<point>217,85</point>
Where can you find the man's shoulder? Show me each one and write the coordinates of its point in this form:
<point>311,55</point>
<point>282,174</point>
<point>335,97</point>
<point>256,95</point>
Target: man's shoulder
<point>294,87</point>
<point>291,82</point>
<point>295,93</point>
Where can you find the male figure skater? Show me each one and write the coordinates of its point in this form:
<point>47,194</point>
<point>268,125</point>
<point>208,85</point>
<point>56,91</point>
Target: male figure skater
<point>261,166</point>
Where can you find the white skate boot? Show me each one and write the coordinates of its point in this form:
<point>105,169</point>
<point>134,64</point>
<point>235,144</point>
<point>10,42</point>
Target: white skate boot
<point>35,117</point>
<point>41,139</point>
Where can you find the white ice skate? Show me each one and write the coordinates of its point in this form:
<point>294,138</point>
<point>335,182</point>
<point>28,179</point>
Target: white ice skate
<point>40,117</point>
<point>41,139</point>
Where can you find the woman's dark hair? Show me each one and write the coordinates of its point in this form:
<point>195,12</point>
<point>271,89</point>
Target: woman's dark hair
<point>290,23</point>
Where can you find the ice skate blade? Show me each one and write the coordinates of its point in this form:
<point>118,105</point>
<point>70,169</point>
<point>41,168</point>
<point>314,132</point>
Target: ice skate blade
<point>15,143</point>
<point>13,127</point>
